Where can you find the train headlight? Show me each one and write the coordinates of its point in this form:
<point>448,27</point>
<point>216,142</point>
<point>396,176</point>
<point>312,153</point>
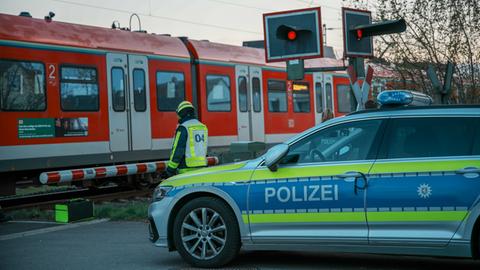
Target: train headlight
<point>160,192</point>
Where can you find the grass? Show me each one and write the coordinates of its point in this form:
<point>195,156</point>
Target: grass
<point>31,214</point>
<point>131,210</point>
<point>118,211</point>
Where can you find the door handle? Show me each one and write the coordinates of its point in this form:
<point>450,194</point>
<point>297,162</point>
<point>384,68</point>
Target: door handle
<point>353,177</point>
<point>350,176</point>
<point>469,172</point>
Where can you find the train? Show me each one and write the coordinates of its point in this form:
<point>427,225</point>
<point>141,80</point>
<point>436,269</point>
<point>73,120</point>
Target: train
<point>74,96</point>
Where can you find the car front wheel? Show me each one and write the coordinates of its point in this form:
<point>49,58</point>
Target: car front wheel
<point>206,232</point>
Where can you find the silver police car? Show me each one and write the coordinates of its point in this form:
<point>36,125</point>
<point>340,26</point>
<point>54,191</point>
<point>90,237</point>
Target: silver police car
<point>399,181</point>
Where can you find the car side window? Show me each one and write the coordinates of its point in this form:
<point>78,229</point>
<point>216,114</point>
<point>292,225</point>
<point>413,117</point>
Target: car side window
<point>476,139</point>
<point>429,137</point>
<point>343,142</point>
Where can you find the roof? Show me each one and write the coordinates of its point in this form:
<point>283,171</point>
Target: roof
<point>18,28</point>
<point>435,109</point>
<point>211,51</point>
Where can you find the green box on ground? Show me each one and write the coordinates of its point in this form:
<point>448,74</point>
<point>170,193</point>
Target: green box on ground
<point>73,210</point>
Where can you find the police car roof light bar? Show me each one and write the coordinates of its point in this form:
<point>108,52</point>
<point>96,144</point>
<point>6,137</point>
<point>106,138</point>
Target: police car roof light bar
<point>394,98</point>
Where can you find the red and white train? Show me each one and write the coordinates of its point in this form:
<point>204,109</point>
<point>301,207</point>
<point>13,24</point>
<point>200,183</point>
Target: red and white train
<point>76,96</point>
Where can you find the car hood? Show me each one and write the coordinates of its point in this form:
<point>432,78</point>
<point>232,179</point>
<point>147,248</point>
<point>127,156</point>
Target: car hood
<point>214,174</point>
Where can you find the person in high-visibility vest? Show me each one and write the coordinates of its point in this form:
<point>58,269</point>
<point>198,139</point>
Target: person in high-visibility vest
<point>189,149</point>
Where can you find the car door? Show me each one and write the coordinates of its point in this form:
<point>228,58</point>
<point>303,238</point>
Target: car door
<point>425,181</point>
<point>317,194</point>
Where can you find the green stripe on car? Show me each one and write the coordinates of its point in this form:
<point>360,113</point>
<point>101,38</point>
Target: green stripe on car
<point>416,216</point>
<point>231,173</point>
<point>356,217</point>
<point>307,217</point>
<point>422,166</point>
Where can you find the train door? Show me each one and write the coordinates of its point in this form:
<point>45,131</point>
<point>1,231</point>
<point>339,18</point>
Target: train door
<point>249,104</point>
<point>243,104</point>
<point>319,96</point>
<point>117,70</point>
<point>257,120</point>
<point>328,90</point>
<point>128,99</point>
<point>141,135</point>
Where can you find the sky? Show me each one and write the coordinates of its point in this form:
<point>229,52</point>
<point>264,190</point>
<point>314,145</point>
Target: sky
<point>223,21</point>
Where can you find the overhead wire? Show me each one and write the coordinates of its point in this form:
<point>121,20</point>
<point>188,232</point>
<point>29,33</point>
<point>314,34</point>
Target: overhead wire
<point>183,20</point>
<point>240,5</point>
<point>321,5</point>
<point>158,17</point>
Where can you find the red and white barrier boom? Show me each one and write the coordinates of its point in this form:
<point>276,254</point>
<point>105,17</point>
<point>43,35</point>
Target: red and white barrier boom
<point>66,176</point>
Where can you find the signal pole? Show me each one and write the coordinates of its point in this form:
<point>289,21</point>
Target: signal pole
<point>358,32</point>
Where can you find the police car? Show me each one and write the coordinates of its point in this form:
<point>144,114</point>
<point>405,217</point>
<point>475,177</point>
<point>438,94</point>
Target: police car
<point>393,180</point>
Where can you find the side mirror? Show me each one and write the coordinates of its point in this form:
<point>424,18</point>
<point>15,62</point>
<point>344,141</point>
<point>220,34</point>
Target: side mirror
<point>274,155</point>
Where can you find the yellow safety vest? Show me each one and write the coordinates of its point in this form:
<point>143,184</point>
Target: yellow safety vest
<point>197,141</point>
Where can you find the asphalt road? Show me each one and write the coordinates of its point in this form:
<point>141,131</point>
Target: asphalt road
<point>124,245</point>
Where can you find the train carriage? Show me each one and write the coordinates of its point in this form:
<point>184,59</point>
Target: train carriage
<point>75,96</point>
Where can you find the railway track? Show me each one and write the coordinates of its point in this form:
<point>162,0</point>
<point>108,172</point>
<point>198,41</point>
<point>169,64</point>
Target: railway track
<point>97,194</point>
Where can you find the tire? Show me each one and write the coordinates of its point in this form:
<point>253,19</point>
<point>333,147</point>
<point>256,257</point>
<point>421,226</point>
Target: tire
<point>205,233</point>
<point>477,256</point>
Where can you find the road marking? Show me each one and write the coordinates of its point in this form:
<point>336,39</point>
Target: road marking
<point>51,229</point>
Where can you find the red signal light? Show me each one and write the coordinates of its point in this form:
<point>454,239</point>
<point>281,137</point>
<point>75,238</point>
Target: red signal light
<point>292,35</point>
<point>359,34</point>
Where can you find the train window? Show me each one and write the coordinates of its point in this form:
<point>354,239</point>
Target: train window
<point>319,97</point>
<point>78,88</point>
<point>242,94</point>
<point>328,96</point>
<point>139,93</point>
<point>346,101</point>
<point>218,93</point>
<point>22,86</point>
<point>257,95</point>
<point>301,97</point>
<point>118,89</point>
<point>277,96</point>
<point>170,90</point>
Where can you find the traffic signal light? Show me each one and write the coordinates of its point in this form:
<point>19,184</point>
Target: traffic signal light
<point>293,34</point>
<point>381,28</point>
<point>358,31</point>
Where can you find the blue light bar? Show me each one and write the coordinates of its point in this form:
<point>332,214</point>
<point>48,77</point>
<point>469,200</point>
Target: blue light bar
<point>395,98</point>
<point>391,98</point>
